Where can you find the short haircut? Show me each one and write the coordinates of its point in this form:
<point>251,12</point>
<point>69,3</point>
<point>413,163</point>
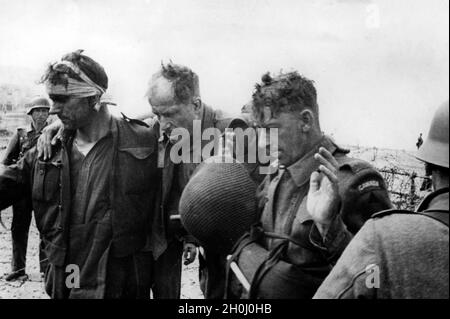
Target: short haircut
<point>59,74</point>
<point>185,81</point>
<point>288,92</point>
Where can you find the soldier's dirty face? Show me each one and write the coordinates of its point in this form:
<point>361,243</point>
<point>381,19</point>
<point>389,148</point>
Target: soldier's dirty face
<point>73,112</point>
<point>175,115</point>
<point>171,114</point>
<point>39,116</point>
<point>289,136</point>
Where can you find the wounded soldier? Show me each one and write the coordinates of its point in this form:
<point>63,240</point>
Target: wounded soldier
<point>93,198</point>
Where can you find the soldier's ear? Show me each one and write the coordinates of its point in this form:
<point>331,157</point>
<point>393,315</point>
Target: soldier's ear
<point>306,120</point>
<point>197,102</point>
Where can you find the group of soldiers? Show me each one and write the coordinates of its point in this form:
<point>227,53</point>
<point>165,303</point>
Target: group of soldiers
<point>107,198</point>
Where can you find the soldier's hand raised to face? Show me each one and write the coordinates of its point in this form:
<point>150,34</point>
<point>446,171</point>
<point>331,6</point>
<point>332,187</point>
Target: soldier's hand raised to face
<point>48,138</point>
<point>323,198</point>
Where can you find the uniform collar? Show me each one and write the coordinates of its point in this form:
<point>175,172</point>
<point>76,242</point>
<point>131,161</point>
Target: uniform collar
<point>436,200</point>
<point>301,170</point>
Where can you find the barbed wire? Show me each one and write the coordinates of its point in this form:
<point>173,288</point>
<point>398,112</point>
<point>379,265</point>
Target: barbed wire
<point>402,184</point>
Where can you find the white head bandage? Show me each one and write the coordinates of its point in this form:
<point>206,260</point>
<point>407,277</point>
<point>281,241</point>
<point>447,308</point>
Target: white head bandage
<point>76,88</point>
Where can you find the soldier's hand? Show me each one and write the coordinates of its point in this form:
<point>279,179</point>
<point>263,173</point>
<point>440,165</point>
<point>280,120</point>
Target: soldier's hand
<point>323,198</point>
<point>48,138</point>
<point>189,253</point>
<point>226,144</point>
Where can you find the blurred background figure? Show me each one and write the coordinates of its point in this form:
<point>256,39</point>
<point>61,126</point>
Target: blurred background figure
<point>23,140</point>
<point>419,141</point>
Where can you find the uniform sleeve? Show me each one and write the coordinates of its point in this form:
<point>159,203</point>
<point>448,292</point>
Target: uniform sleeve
<point>15,180</point>
<point>335,241</point>
<point>355,273</point>
<point>363,193</point>
<point>12,151</point>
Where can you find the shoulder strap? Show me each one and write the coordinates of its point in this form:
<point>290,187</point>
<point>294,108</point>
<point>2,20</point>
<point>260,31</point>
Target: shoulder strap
<point>134,121</point>
<point>391,212</point>
<point>439,215</point>
<point>427,200</point>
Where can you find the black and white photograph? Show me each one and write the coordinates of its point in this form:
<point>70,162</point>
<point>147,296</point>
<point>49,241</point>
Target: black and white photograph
<point>224,154</point>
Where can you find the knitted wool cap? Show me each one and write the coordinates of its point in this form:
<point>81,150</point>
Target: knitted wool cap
<point>218,204</point>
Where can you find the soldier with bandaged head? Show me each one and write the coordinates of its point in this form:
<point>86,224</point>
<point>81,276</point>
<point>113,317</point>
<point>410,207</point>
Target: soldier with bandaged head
<point>93,196</point>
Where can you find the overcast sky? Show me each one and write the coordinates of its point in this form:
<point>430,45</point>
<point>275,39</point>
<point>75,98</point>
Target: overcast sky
<point>381,67</point>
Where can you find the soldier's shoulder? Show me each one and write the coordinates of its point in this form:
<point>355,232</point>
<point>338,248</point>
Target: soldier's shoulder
<point>351,164</point>
<point>353,171</point>
<point>359,175</point>
<point>21,131</point>
<point>392,214</point>
<point>145,127</point>
<point>405,216</point>
<point>133,122</point>
<point>362,189</point>
<point>408,226</point>
<point>135,132</point>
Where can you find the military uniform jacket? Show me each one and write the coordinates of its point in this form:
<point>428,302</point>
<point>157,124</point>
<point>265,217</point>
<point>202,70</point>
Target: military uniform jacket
<point>22,141</point>
<point>395,255</point>
<point>282,201</point>
<point>165,230</point>
<point>134,182</point>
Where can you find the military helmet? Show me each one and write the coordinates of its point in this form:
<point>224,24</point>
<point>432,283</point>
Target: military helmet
<point>435,148</point>
<point>218,204</point>
<point>37,103</point>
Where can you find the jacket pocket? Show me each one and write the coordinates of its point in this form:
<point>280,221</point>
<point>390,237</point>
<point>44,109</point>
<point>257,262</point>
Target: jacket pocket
<point>46,181</point>
<point>137,165</point>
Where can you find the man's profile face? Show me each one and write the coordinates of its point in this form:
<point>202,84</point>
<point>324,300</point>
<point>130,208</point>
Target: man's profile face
<point>39,116</point>
<point>175,116</point>
<point>73,112</point>
<point>171,114</point>
<point>289,135</point>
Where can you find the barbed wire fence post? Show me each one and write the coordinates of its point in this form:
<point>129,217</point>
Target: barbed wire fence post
<point>403,188</point>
